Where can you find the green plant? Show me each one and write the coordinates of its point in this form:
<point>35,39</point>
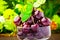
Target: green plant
<point>50,8</point>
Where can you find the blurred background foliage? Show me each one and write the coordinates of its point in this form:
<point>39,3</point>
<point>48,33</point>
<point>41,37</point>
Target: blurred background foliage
<point>51,9</point>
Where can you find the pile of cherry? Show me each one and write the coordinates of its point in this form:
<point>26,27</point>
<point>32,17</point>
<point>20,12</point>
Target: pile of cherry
<point>35,27</point>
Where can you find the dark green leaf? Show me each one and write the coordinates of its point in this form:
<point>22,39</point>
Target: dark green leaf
<point>17,11</point>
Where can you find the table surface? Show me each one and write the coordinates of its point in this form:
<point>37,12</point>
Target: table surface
<point>53,37</point>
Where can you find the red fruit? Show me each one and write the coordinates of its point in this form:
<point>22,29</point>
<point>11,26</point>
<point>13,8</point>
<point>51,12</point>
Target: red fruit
<point>30,20</point>
<point>34,27</point>
<point>26,29</point>
<point>25,23</point>
<point>17,20</point>
<point>38,15</point>
<point>45,21</point>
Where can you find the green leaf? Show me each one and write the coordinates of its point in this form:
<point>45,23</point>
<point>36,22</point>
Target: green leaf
<point>23,2</point>
<point>9,13</point>
<point>9,25</point>
<point>17,11</point>
<point>25,17</point>
<point>1,26</point>
<point>25,14</point>
<point>32,1</point>
<point>3,6</point>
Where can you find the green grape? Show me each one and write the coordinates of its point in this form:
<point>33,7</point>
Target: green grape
<point>39,3</point>
<point>9,14</point>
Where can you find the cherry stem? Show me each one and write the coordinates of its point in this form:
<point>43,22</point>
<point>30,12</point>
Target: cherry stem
<point>33,20</point>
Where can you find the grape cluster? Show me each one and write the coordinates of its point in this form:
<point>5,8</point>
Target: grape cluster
<point>34,27</point>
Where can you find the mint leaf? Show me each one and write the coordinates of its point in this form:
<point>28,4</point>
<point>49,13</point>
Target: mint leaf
<point>27,12</point>
<point>25,17</point>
